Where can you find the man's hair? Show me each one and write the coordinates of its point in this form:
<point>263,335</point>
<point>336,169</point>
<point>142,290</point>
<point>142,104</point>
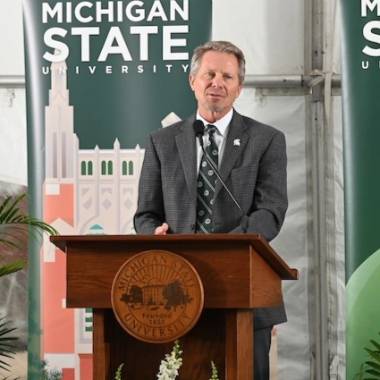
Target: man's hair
<point>221,47</point>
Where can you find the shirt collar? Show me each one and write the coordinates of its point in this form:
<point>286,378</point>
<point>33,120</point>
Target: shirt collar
<point>221,124</point>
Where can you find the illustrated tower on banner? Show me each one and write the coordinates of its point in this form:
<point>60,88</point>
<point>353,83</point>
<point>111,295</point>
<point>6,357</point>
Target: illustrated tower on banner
<point>86,191</point>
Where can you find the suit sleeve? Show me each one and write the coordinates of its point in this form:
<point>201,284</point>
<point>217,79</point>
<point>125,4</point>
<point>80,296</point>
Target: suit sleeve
<point>270,200</point>
<point>150,210</point>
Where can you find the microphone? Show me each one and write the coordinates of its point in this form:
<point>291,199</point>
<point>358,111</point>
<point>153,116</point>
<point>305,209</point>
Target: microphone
<point>199,131</point>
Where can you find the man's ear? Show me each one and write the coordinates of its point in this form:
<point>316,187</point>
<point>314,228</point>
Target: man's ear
<point>240,88</point>
<point>191,81</point>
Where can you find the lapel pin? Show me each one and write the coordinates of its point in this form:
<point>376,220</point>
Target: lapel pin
<point>237,142</point>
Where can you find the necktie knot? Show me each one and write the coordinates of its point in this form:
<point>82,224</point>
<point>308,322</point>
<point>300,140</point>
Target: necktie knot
<point>210,129</point>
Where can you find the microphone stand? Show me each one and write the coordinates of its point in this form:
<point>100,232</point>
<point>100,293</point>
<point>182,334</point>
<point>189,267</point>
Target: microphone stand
<point>211,163</point>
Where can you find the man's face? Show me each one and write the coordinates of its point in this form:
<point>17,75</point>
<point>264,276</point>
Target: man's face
<point>216,84</point>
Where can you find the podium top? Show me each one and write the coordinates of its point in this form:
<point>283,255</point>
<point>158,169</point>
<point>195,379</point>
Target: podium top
<point>258,243</point>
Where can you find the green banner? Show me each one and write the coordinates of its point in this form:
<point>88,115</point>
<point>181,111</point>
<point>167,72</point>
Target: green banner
<point>361,93</point>
<point>100,76</point>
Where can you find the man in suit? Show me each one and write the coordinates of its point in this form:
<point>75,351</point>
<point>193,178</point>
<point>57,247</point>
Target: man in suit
<point>178,191</point>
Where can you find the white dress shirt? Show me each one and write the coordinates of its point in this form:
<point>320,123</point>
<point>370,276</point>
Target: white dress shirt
<point>220,136</point>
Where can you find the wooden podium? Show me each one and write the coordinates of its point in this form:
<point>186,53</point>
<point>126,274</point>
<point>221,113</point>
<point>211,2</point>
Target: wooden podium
<point>239,272</point>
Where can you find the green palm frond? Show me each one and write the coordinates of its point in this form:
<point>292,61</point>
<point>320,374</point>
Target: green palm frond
<point>371,367</point>
<point>13,267</point>
<point>13,220</point>
<point>375,344</point>
<point>15,224</point>
<point>6,344</point>
<point>374,354</point>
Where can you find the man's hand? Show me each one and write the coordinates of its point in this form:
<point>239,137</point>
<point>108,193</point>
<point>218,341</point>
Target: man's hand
<point>161,230</point>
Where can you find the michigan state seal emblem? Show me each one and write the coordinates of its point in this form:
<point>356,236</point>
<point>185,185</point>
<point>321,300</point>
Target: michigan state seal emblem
<point>157,296</point>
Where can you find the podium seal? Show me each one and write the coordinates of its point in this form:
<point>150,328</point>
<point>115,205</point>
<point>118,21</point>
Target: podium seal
<point>157,296</point>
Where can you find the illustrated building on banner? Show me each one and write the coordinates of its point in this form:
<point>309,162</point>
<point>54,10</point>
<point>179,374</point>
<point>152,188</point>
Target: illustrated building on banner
<point>86,191</point>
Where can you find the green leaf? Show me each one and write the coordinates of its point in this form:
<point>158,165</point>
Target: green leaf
<point>10,214</point>
<point>8,354</point>
<point>373,372</point>
<point>11,208</point>
<point>373,365</point>
<point>6,343</point>
<point>4,205</point>
<point>374,354</point>
<point>13,267</point>
<point>13,219</point>
<point>14,225</point>
<point>377,345</point>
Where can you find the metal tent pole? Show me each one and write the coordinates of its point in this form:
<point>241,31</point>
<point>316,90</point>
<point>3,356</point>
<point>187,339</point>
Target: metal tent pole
<point>256,81</point>
<point>317,143</point>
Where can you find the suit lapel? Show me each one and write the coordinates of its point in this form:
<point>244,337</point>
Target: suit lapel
<point>236,142</point>
<point>185,141</point>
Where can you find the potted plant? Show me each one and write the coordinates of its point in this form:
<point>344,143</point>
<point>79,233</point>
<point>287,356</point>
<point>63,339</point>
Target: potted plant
<point>14,223</point>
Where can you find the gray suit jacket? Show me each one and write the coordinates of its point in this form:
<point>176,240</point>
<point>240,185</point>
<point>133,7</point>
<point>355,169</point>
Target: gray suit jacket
<point>254,171</point>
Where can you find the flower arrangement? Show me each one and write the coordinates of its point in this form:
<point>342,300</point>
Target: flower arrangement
<point>169,367</point>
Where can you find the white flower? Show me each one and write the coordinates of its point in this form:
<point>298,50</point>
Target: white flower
<point>170,366</point>
<point>214,372</point>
